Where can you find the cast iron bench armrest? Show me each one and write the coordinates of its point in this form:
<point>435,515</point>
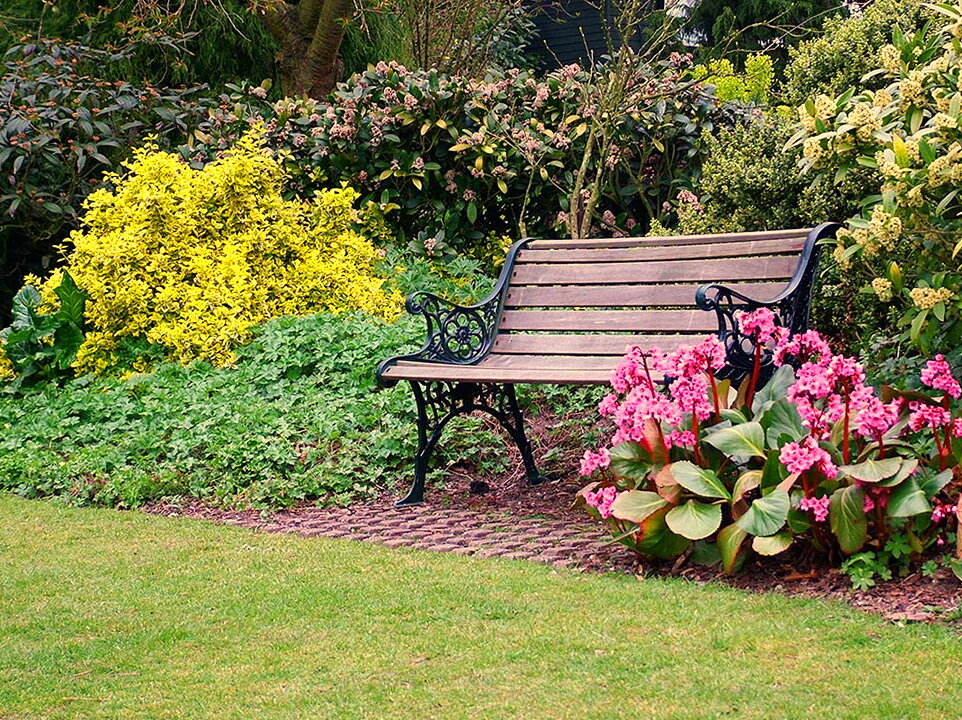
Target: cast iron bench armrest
<point>457,334</point>
<point>791,306</point>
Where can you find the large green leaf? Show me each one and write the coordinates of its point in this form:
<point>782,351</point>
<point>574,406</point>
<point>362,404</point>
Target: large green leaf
<point>872,471</point>
<point>67,340</point>
<point>747,481</point>
<point>745,440</point>
<point>700,481</point>
<point>729,544</point>
<point>782,419</point>
<point>630,460</point>
<point>767,515</point>
<point>775,389</point>
<point>799,521</point>
<point>908,499</point>
<point>847,518</point>
<point>932,482</point>
<point>773,544</point>
<point>636,505</point>
<point>773,472</point>
<point>694,520</point>
<point>657,540</point>
<point>908,468</point>
<point>72,301</point>
<point>25,304</point>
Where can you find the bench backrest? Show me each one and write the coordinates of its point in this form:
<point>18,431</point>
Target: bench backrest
<point>585,300</point>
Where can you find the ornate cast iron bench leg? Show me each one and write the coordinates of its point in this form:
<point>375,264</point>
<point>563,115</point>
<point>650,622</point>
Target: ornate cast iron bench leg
<point>439,402</point>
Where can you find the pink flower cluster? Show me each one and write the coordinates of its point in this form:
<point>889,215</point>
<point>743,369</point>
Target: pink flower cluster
<point>760,326</point>
<point>594,460</point>
<point>602,500</point>
<point>688,393</point>
<point>802,456</point>
<point>938,375</point>
<point>818,506</point>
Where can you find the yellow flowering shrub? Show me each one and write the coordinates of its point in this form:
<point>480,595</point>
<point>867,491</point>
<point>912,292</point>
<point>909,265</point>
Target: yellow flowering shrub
<point>191,259</point>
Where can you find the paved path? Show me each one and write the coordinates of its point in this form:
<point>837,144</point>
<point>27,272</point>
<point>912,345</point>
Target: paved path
<point>556,541</point>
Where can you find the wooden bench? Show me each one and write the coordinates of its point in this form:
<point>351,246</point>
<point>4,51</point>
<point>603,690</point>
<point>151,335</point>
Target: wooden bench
<point>564,311</point>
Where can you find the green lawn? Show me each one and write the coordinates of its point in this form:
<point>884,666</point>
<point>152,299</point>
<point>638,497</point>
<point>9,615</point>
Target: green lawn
<point>122,615</point>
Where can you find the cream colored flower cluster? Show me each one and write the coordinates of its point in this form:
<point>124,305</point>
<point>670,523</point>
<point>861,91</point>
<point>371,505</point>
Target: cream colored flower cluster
<point>925,298</point>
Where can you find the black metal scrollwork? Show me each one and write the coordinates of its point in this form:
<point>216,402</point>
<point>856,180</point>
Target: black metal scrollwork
<point>791,308</point>
<point>456,333</point>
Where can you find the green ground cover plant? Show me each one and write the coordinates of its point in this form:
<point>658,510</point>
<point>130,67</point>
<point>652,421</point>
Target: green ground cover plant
<point>297,418</point>
<point>110,614</point>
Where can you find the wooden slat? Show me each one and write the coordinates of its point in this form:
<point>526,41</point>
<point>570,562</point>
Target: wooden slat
<point>552,362</point>
<point>474,373</point>
<point>665,241</point>
<point>648,254</point>
<point>557,344</point>
<point>624,295</point>
<point>610,320</point>
<point>765,268</point>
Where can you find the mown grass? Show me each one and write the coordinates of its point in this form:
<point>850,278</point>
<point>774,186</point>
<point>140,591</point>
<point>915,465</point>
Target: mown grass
<point>121,615</point>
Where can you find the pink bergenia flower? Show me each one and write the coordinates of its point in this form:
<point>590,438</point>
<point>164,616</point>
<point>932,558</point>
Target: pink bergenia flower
<point>940,512</point>
<point>608,405</point>
<point>692,393</point>
<point>937,374</point>
<point>868,504</point>
<point>818,506</point>
<point>876,418</point>
<point>805,347</point>
<point>602,499</point>
<point>594,460</point>
<point>799,457</point>
<point>928,416</point>
<point>758,324</point>
<point>681,438</point>
<point>957,427</point>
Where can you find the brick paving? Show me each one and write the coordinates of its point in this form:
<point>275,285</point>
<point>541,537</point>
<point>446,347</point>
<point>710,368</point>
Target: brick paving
<point>556,541</point>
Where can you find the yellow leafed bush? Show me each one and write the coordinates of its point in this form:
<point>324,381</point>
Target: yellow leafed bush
<point>191,259</point>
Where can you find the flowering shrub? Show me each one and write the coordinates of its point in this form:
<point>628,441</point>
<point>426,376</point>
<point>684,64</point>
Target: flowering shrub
<point>908,233</point>
<point>814,456</point>
<point>457,163</point>
<point>188,260</point>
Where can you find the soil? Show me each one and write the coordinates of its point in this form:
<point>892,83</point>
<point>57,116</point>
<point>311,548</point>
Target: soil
<point>502,516</point>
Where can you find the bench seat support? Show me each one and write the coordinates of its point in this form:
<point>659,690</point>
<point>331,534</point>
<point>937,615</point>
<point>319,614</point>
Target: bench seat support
<point>440,402</point>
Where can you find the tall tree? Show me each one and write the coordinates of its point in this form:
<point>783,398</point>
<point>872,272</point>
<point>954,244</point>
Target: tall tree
<point>309,33</point>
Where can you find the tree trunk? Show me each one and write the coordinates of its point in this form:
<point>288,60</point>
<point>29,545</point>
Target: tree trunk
<point>310,35</point>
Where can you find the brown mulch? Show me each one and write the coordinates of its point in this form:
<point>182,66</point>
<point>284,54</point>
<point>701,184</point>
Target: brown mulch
<point>500,516</point>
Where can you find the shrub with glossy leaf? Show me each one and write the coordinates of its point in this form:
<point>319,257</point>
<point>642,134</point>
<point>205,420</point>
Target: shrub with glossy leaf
<point>456,164</point>
<point>62,127</point>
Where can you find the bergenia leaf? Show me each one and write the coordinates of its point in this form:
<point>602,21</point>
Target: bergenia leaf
<point>767,515</point>
<point>694,520</point>
<point>700,481</point>
<point>745,440</point>
<point>872,471</point>
<point>637,505</point>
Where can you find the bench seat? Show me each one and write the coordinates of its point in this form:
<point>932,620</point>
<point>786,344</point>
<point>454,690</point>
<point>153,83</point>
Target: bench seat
<point>565,311</point>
